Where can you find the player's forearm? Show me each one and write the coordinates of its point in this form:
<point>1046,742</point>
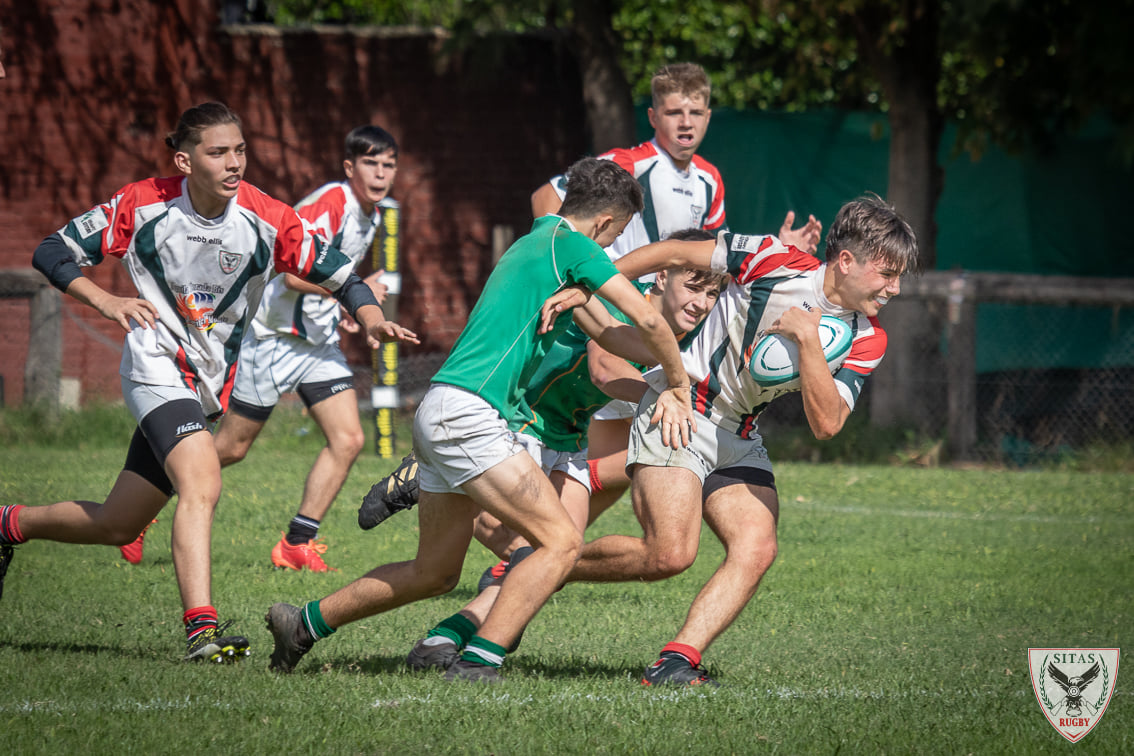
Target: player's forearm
<point>824,406</point>
<point>613,375</point>
<point>88,292</point>
<point>625,342</point>
<point>369,316</point>
<point>666,254</point>
<point>295,283</point>
<point>545,200</point>
<point>626,389</point>
<point>663,345</point>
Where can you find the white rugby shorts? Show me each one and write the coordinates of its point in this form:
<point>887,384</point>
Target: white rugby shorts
<point>269,368</point>
<point>710,448</point>
<point>458,435</point>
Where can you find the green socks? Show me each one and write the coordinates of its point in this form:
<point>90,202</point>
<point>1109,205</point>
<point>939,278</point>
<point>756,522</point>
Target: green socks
<point>457,628</point>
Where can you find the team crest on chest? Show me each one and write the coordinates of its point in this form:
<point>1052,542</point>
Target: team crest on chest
<point>230,261</point>
<point>1073,686</point>
<point>695,214</point>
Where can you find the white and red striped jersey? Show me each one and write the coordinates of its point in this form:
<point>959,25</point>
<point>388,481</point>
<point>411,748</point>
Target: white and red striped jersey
<point>768,278</point>
<point>675,199</point>
<point>333,212</point>
<point>204,275</point>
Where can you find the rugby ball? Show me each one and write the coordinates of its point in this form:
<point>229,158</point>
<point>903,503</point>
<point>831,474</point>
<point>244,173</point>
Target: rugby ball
<point>773,362</point>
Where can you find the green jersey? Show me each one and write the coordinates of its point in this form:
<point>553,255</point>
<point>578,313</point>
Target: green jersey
<point>499,349</point>
<point>560,396</point>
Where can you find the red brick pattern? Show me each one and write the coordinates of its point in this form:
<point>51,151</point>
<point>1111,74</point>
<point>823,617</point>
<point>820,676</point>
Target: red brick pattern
<point>94,85</point>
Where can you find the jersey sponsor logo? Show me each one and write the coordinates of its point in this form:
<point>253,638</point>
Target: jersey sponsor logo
<point>186,428</point>
<point>741,242</point>
<point>230,261</point>
<point>196,307</point>
<point>201,239</point>
<point>1073,686</point>
<point>91,223</point>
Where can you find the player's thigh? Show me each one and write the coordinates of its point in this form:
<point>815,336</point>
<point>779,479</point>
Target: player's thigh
<point>667,502</point>
<point>608,437</point>
<point>337,416</point>
<point>445,525</point>
<point>234,436</point>
<point>194,468</point>
<point>743,516</point>
<point>574,496</point>
<point>131,504</point>
<point>522,497</point>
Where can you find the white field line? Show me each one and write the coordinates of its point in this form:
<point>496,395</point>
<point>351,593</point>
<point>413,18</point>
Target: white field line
<point>674,695</point>
<point>931,514</point>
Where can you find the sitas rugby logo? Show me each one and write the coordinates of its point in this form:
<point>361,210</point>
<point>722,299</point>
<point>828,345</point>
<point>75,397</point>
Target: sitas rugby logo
<point>1073,686</point>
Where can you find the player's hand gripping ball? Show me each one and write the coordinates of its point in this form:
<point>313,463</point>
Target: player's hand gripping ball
<point>774,362</point>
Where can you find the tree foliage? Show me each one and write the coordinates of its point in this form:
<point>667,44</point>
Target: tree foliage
<point>1012,72</point>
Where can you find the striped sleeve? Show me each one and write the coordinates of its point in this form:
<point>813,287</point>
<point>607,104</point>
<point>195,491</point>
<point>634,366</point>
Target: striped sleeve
<point>715,217</point>
<point>297,248</point>
<point>628,157</point>
<point>324,212</point>
<point>867,350</point>
<point>748,258</point>
<point>105,229</point>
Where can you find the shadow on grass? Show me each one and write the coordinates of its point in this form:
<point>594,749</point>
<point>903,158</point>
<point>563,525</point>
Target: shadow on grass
<point>73,648</point>
<point>560,668</point>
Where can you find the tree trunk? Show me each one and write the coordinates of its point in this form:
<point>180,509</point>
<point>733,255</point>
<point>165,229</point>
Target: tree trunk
<point>606,93</point>
<point>905,389</point>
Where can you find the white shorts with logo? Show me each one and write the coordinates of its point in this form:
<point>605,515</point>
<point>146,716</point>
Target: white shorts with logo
<point>616,409</point>
<point>269,368</point>
<point>573,463</point>
<point>711,447</point>
<point>457,435</point>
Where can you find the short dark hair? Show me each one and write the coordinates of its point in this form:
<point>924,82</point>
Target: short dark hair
<point>600,186</point>
<point>699,276</point>
<point>872,229</point>
<point>195,120</point>
<point>369,140</point>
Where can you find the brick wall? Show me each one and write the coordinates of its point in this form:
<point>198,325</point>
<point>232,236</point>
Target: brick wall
<point>94,85</point>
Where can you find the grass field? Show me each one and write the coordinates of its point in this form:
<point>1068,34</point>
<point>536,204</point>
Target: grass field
<point>897,619</point>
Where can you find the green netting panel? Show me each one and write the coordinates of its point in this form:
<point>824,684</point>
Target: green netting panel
<point>1061,213</point>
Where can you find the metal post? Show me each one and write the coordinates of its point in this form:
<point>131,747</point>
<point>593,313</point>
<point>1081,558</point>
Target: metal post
<point>384,393</point>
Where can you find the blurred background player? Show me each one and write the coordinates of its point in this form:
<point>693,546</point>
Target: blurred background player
<point>294,345</point>
<point>194,246</point>
<point>680,188</point>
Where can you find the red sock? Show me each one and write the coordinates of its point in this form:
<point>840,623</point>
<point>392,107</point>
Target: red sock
<point>596,484</point>
<point>10,523</point>
<point>690,653</point>
<point>199,618</point>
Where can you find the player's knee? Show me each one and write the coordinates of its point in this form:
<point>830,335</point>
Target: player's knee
<point>434,583</point>
<point>114,534</point>
<point>347,445</point>
<point>666,563</point>
<point>567,545</point>
<point>758,557</point>
<point>231,454</point>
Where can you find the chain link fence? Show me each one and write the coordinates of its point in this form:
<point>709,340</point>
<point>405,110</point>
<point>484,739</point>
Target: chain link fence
<point>1007,376</point>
